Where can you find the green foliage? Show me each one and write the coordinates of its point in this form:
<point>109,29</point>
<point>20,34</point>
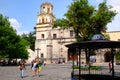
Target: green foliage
<point>61,23</point>
<point>117,55</point>
<point>10,42</point>
<point>95,67</point>
<point>30,38</point>
<point>102,16</point>
<point>106,36</point>
<point>78,14</point>
<point>85,19</point>
<point>86,67</point>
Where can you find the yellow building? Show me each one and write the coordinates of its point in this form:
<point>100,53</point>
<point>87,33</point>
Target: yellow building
<point>114,35</point>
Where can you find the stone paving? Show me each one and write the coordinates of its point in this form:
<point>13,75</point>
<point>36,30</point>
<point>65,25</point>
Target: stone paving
<point>49,72</point>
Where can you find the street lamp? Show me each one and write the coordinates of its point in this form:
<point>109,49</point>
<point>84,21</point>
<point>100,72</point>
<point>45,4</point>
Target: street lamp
<point>37,52</point>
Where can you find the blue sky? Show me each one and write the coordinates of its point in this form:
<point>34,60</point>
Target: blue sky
<point>23,13</point>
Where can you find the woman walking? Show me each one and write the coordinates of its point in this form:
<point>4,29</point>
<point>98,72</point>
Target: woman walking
<point>34,67</point>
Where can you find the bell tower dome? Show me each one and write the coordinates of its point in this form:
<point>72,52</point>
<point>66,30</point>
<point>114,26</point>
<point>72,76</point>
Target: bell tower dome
<point>46,7</point>
<point>46,14</point>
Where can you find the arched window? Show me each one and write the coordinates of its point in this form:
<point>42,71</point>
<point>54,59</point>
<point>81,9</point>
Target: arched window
<point>42,36</point>
<point>48,10</point>
<point>42,20</point>
<point>39,21</point>
<point>46,20</point>
<point>42,55</point>
<point>71,33</point>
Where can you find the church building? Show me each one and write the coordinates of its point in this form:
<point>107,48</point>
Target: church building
<point>50,43</point>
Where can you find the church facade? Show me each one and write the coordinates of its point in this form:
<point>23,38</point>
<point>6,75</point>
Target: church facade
<point>50,43</point>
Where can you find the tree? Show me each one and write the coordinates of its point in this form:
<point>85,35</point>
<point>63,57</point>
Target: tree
<point>10,42</point>
<point>86,20</point>
<point>21,49</point>
<point>30,38</point>
<point>5,32</point>
<point>106,36</point>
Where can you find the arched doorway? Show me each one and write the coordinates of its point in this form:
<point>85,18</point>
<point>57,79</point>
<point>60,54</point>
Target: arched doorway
<point>107,56</point>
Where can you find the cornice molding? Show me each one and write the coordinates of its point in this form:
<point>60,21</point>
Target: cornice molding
<point>44,14</point>
<point>44,23</point>
<point>43,27</point>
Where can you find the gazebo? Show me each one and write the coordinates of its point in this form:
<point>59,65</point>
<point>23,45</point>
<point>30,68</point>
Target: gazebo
<point>96,43</point>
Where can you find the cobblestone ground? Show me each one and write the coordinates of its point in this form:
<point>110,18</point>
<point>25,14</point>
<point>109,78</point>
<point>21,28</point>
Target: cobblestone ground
<point>49,72</point>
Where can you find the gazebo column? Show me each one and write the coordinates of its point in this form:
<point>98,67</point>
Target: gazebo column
<point>112,53</point>
<point>89,59</point>
<point>79,63</point>
<point>73,52</point>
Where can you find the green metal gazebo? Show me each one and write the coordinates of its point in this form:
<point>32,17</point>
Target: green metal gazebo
<point>94,44</point>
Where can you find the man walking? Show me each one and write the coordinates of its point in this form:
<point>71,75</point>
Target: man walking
<point>21,67</point>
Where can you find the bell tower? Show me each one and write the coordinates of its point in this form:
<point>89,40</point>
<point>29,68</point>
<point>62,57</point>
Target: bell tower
<point>43,29</point>
<point>46,8</point>
<point>46,14</point>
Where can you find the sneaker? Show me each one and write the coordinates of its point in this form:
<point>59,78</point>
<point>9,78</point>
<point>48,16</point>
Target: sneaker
<point>21,76</point>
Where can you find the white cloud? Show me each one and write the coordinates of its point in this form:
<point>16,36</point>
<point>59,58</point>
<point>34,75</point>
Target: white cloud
<point>115,4</point>
<point>16,25</point>
<point>21,32</point>
<point>115,25</point>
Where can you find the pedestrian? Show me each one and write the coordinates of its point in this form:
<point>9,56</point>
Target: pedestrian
<point>21,68</point>
<point>32,64</point>
<point>44,63</point>
<point>110,66</point>
<point>39,67</point>
<point>34,67</point>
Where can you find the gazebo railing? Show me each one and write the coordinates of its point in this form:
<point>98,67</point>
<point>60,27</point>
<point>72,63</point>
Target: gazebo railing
<point>102,70</point>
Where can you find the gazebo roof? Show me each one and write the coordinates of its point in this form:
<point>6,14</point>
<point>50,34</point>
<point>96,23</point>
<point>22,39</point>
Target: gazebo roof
<point>95,44</point>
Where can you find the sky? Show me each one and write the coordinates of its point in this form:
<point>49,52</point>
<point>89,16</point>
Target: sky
<point>23,13</point>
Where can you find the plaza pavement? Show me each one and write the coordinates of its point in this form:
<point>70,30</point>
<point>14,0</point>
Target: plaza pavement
<point>49,72</point>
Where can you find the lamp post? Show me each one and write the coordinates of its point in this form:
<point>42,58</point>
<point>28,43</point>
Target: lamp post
<point>37,52</point>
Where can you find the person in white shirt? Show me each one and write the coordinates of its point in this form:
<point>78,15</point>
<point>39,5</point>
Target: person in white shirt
<point>34,67</point>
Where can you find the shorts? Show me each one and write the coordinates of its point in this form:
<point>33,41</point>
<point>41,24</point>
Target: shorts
<point>39,69</point>
<point>34,69</point>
